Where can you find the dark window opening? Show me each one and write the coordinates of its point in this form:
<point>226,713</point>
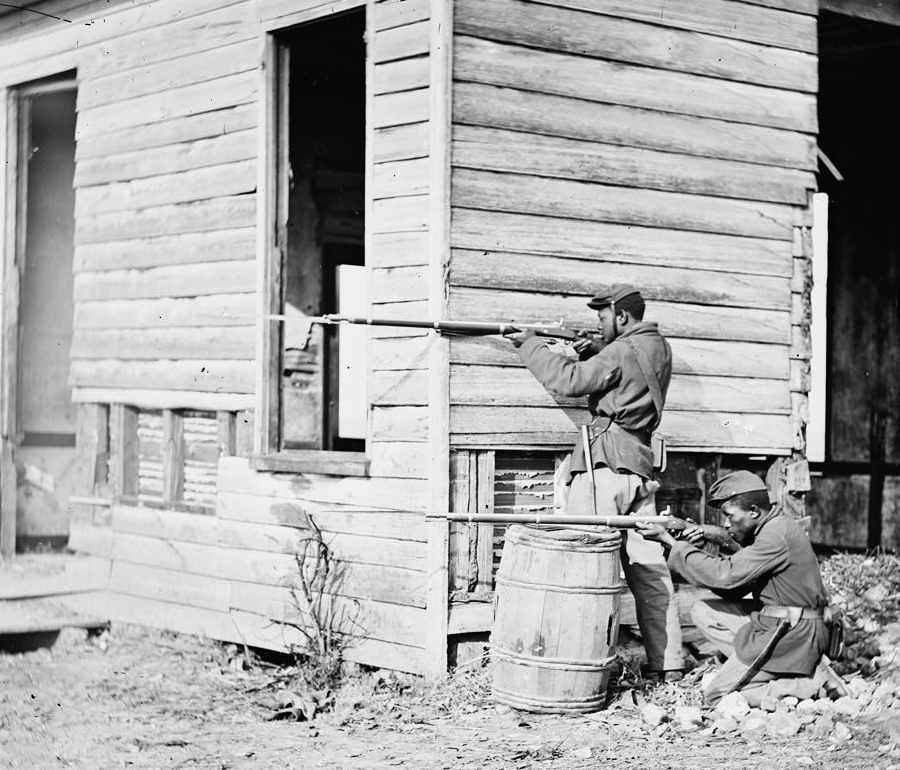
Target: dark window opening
<point>321,176</point>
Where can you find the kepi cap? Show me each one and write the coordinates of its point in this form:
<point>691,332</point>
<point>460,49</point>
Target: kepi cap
<point>612,294</point>
<point>734,484</point>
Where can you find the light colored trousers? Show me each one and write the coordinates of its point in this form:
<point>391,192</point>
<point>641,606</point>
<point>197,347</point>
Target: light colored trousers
<point>643,561</point>
<point>719,620</point>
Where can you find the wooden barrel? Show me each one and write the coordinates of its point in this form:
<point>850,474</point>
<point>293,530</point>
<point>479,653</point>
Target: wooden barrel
<point>557,618</point>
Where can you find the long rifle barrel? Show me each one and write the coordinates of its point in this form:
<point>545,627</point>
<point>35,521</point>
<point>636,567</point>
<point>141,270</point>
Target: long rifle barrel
<point>472,328</point>
<point>618,522</point>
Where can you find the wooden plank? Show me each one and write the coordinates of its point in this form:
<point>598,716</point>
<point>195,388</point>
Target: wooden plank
<point>173,456</point>
<point>189,248</point>
<point>407,214</point>
<point>401,42</point>
<point>219,376</point>
<point>400,423</point>
<point>809,7</point>
<point>403,177</point>
<point>170,132</point>
<point>398,459</point>
<point>165,524</point>
<point>123,442</point>
<point>366,618</point>
<point>213,342</point>
<point>225,433</point>
<point>32,576</point>
<point>263,510</point>
<point>176,71</point>
<point>279,14</point>
<point>218,310</point>
<point>562,29</point>
<point>400,284</point>
<point>565,116</point>
<point>700,357</point>
<point>235,475</point>
<point>190,280</point>
<point>200,216</point>
<point>400,354</point>
<point>470,617</point>
<point>595,202</point>
<point>401,142</point>
<point>230,179</point>
<point>88,538</point>
<point>400,109</point>
<point>700,431</point>
<point>771,27</point>
<point>400,388</point>
<point>879,12</point>
<point>389,584</point>
<point>500,64</point>
<point>185,156</point>
<point>218,94</point>
<point>477,386</point>
<point>520,153</point>
<point>164,399</point>
<point>555,236</point>
<point>171,586</point>
<point>399,249</point>
<point>402,75</point>
<point>396,13</point>
<point>675,319</point>
<point>519,272</point>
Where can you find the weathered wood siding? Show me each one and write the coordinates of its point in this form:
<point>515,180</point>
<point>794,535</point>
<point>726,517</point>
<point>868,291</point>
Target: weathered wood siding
<point>673,147</point>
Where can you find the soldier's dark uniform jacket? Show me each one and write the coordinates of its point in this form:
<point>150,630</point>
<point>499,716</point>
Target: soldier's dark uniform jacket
<point>618,395</point>
<point>780,569</point>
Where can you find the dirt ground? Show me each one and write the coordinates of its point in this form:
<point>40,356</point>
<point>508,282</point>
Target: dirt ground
<point>141,698</point>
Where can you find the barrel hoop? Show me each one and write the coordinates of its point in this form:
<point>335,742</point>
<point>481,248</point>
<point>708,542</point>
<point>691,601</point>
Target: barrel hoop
<point>549,705</point>
<point>571,664</point>
<point>597,590</point>
<point>568,546</point>
<point>573,534</point>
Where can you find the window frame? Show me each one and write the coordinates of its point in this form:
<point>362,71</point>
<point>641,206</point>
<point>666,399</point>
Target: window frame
<point>272,218</point>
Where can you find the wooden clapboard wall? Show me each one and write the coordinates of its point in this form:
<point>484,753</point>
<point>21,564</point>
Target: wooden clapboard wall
<point>672,146</point>
<point>398,248</point>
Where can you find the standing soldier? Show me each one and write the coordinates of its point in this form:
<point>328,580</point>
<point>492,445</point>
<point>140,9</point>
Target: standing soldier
<point>626,383</point>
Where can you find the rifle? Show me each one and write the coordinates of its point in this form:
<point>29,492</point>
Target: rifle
<point>555,331</point>
<point>617,522</point>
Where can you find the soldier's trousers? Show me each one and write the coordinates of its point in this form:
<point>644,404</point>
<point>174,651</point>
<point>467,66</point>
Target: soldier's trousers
<point>719,620</point>
<point>643,561</point>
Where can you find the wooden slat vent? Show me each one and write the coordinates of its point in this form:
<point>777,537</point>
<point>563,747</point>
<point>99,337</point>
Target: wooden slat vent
<point>201,460</point>
<point>150,456</point>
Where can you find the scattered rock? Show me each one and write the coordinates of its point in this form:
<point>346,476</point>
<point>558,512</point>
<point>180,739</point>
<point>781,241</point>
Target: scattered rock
<point>807,706</point>
<point>823,727</point>
<point>789,701</point>
<point>734,706</point>
<point>847,706</point>
<point>753,725</point>
<point>582,752</point>
<point>689,718</point>
<point>841,734</point>
<point>783,724</point>
<point>725,725</point>
<point>768,703</point>
<point>653,715</point>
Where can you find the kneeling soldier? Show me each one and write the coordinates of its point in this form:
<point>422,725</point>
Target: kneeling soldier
<point>773,642</point>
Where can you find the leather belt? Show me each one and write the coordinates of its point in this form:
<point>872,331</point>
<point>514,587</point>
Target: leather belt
<point>795,613</point>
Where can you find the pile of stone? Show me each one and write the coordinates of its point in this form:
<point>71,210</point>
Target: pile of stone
<point>831,720</point>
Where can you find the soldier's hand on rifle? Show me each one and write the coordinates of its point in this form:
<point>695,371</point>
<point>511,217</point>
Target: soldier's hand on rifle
<point>655,532</point>
<point>518,338</point>
<point>586,345</point>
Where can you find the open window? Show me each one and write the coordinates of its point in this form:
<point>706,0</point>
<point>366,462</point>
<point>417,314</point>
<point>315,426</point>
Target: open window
<point>316,376</point>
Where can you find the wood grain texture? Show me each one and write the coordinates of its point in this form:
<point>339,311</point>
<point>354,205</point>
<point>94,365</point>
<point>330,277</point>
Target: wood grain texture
<point>200,216</point>
<point>699,431</point>
<point>196,342</point>
<point>611,37</point>
<point>400,142</point>
<point>191,280</point>
<point>165,250</point>
<point>217,310</point>
<point>477,386</point>
<point>399,284</point>
<point>400,423</point>
<point>401,108</point>
<point>602,241</point>
<point>519,272</point>
<point>397,13</point>
<point>398,459</point>
<point>521,153</point>
<point>676,319</point>
<point>526,194</point>
<point>230,179</point>
<point>399,249</point>
<point>501,64</point>
<point>401,75</point>
<point>771,27</point>
<point>401,42</point>
<point>400,178</point>
<point>217,376</point>
<point>406,214</point>
<point>744,360</point>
